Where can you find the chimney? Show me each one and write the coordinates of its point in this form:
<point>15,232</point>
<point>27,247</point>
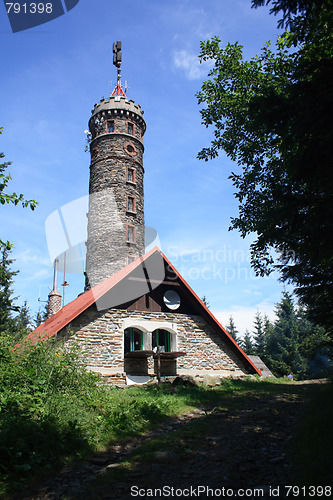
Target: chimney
<point>54,302</point>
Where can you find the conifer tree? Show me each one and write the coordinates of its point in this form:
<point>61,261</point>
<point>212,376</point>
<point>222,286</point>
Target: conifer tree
<point>40,317</point>
<point>247,344</point>
<point>23,321</point>
<point>259,335</point>
<point>205,301</point>
<point>283,341</point>
<point>7,324</point>
<point>232,330</point>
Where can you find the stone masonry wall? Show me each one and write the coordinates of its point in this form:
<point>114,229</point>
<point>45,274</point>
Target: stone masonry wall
<point>100,334</point>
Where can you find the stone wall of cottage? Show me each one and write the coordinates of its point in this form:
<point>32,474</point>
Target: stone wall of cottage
<point>100,335</point>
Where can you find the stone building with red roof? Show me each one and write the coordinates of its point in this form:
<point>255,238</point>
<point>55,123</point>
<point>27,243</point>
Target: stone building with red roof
<point>135,304</point>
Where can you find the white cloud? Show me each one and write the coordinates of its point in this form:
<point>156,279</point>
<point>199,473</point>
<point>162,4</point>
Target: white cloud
<point>30,256</point>
<point>244,316</point>
<point>43,273</point>
<point>189,63</point>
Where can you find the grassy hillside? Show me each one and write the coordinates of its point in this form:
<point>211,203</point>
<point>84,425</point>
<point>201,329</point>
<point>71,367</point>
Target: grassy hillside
<point>53,412</point>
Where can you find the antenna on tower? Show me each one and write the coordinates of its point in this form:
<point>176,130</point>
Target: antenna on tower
<point>65,283</point>
<point>117,56</point>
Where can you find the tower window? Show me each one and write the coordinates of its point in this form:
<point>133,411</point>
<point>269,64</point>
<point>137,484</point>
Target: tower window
<point>110,126</point>
<point>130,174</point>
<point>131,205</point>
<point>130,233</point>
<point>130,128</point>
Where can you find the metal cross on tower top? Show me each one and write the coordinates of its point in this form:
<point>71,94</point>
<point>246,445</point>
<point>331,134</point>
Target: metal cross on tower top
<point>117,62</point>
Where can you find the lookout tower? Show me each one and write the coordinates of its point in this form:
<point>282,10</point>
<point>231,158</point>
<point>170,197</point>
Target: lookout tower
<point>116,230</point>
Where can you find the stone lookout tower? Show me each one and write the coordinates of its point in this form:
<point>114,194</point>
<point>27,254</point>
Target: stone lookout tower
<point>116,230</point>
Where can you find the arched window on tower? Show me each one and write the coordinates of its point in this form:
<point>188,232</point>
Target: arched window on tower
<point>133,340</point>
<point>163,339</point>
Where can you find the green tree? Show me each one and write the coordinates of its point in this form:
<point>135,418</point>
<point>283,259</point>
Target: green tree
<point>23,321</point>
<point>5,197</point>
<point>205,301</point>
<point>272,115</point>
<point>283,342</point>
<point>7,307</point>
<point>247,344</point>
<point>259,336</point>
<point>315,345</point>
<point>231,329</point>
<point>40,316</point>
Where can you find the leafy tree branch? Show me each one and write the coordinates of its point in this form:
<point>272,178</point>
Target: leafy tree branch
<point>272,116</point>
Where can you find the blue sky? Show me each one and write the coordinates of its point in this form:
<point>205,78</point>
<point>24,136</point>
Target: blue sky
<point>52,75</point>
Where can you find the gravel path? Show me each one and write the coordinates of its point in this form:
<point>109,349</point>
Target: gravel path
<point>246,448</point>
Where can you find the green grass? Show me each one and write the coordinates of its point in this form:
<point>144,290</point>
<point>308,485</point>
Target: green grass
<point>53,412</point>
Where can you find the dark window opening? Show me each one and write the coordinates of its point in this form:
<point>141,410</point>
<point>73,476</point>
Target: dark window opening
<point>110,126</point>
<point>161,338</point>
<point>130,128</point>
<point>131,175</point>
<point>131,204</point>
<point>133,340</point>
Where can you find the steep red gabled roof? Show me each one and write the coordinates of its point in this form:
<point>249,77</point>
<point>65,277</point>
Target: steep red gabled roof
<point>72,310</point>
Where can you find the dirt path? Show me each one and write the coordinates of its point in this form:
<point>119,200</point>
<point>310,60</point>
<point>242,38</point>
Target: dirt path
<point>243,446</point>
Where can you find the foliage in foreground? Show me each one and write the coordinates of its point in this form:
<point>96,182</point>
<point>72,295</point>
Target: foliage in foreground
<point>53,410</point>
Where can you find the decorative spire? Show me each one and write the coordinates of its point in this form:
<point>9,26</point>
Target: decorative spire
<point>117,62</point>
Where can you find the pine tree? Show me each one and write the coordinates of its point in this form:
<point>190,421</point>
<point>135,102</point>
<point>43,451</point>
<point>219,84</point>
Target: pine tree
<point>232,330</point>
<point>259,335</point>
<point>315,346</point>
<point>283,341</point>
<point>247,344</point>
<point>40,317</point>
<point>23,321</point>
<point>205,301</point>
<point>7,323</point>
